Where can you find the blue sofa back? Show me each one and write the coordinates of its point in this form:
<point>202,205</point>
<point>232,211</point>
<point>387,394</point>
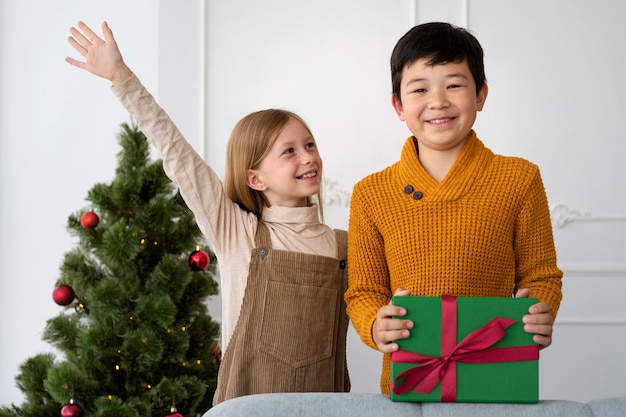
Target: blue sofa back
<point>377,405</point>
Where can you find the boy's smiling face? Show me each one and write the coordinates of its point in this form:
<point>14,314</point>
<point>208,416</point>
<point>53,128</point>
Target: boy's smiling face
<point>439,103</point>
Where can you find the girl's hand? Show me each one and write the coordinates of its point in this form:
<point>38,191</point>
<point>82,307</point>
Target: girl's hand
<point>102,56</point>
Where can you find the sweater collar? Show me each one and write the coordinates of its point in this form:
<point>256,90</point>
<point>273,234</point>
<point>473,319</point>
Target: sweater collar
<point>291,215</point>
<point>469,165</point>
<point>302,221</point>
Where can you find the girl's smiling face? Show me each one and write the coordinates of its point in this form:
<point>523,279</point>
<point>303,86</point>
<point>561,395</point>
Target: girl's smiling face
<point>439,103</point>
<point>291,172</point>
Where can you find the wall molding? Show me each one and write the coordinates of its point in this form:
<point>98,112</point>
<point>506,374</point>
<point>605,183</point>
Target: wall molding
<point>562,215</point>
<point>595,269</point>
<point>334,194</point>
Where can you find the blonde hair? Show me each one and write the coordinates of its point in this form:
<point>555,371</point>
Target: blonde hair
<point>249,143</point>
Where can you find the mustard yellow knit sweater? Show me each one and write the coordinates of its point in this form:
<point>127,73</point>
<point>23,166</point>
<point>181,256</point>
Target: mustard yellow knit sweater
<point>483,231</point>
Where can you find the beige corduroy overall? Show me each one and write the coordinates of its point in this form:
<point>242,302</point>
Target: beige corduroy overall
<point>291,331</point>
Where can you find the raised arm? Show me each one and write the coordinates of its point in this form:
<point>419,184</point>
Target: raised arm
<point>217,216</point>
<point>102,56</point>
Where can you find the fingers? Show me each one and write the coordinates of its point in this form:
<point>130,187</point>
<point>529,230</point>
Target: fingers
<point>79,41</point>
<point>77,46</point>
<point>107,32</point>
<point>74,62</point>
<point>93,37</point>
<point>402,292</point>
<point>522,293</point>
<point>387,329</point>
<point>84,38</point>
<point>540,323</point>
<point>542,341</point>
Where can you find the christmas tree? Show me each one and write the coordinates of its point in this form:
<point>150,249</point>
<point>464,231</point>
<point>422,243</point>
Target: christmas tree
<point>134,333</point>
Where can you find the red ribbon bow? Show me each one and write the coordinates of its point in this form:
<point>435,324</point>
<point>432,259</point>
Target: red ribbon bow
<point>474,348</point>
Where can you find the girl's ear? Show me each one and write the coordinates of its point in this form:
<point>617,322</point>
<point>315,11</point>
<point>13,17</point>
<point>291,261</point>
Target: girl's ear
<point>254,181</point>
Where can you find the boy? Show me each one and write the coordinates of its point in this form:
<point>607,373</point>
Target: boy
<point>450,217</point>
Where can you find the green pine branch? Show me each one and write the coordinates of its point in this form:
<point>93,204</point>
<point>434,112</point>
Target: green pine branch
<point>137,339</point>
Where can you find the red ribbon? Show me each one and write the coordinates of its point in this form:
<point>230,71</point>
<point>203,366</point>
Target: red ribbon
<point>474,348</point>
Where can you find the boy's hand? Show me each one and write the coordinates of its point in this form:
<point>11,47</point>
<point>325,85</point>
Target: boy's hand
<point>102,56</point>
<point>539,321</point>
<point>386,329</point>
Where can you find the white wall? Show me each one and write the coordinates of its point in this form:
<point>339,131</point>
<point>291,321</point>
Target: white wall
<point>556,98</point>
<point>58,128</point>
<point>556,82</point>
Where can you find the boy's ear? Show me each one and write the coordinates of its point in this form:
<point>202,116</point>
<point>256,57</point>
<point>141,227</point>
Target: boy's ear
<point>481,97</point>
<point>397,106</point>
<point>254,181</point>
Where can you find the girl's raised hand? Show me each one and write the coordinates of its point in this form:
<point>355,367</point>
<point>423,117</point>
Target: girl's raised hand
<point>102,56</point>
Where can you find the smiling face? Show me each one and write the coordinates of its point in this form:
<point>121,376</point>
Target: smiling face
<point>439,104</point>
<point>291,172</point>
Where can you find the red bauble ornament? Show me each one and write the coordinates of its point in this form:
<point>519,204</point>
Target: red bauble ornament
<point>89,220</point>
<point>72,410</point>
<point>63,295</point>
<point>217,353</point>
<point>199,260</point>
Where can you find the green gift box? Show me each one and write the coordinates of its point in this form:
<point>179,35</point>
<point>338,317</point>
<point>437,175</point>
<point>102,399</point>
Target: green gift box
<point>465,349</point>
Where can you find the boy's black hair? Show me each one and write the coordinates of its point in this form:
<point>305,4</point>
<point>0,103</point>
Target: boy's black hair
<point>440,43</point>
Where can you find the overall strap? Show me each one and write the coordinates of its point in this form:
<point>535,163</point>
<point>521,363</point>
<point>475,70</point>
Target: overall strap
<point>341,237</point>
<point>262,235</point>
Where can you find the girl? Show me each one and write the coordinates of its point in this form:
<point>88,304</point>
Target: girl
<point>282,271</point>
